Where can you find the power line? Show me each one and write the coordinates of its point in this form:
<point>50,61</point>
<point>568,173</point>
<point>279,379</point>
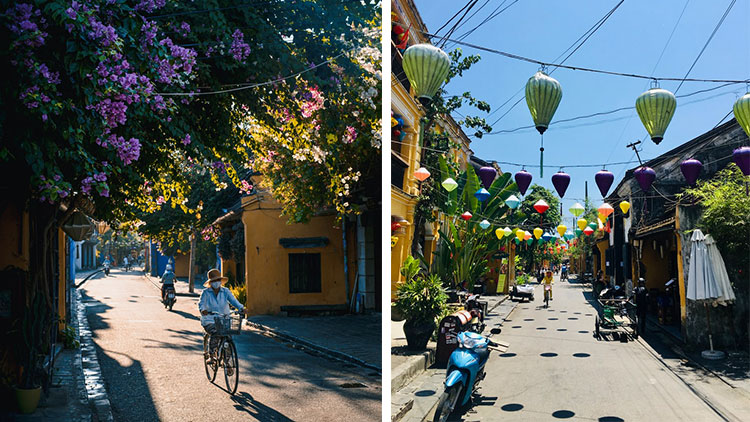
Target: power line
<point>453,17</point>
<point>583,69</point>
<point>453,29</point>
<point>495,13</point>
<point>224,91</point>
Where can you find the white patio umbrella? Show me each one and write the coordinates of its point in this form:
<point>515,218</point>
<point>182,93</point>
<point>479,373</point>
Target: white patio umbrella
<point>708,281</point>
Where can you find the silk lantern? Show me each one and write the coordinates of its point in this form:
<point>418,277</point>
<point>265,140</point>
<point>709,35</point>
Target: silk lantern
<point>487,176</point>
<point>588,231</point>
<point>427,67</point>
<point>523,180</point>
<point>449,184</point>
<point>512,202</point>
<point>466,216</point>
<point>605,209</point>
<point>624,206</point>
<point>499,233</point>
<point>604,179</point>
<point>422,174</point>
<point>482,194</point>
<point>645,177</point>
<point>561,229</point>
<point>581,223</point>
<point>569,235</point>
<point>540,206</point>
<point>484,224</point>
<point>543,95</point>
<point>520,234</point>
<point>579,232</point>
<point>547,237</point>
<point>560,181</point>
<point>742,112</point>
<point>538,232</point>
<point>656,108</point>
<point>741,157</point>
<point>527,235</point>
<point>691,168</point>
<point>577,209</point>
<point>507,231</point>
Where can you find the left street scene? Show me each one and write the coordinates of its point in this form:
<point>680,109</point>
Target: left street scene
<point>190,210</point>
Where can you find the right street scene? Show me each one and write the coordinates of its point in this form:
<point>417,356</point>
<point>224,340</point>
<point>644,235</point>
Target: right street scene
<point>570,213</point>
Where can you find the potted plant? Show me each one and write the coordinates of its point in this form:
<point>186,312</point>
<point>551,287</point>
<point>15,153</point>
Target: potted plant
<point>420,301</point>
<point>409,270</point>
<point>35,327</point>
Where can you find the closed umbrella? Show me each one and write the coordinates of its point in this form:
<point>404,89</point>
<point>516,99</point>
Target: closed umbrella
<point>726,294</point>
<point>703,282</point>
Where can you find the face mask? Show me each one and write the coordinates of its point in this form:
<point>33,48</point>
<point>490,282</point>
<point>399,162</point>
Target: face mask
<point>216,284</point>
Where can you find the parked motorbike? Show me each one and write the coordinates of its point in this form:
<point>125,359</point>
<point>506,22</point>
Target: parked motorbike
<point>465,371</point>
<point>170,297</point>
<point>477,313</point>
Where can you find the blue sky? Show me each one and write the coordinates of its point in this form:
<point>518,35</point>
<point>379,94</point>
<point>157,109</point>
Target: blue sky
<point>631,41</point>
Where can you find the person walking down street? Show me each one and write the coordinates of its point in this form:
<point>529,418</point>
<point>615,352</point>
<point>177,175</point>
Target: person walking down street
<point>641,304</point>
<point>167,279</point>
<point>216,298</point>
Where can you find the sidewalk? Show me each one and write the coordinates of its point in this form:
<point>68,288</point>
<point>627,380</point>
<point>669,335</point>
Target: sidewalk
<point>415,385</point>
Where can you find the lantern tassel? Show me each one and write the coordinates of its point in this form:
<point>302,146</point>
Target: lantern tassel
<point>541,158</point>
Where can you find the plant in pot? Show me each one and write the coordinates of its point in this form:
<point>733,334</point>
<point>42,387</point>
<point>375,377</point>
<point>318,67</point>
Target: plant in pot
<point>409,270</point>
<point>34,333</point>
<point>420,301</point>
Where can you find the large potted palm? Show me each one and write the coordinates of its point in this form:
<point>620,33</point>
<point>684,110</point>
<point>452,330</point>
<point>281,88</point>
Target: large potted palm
<point>420,300</point>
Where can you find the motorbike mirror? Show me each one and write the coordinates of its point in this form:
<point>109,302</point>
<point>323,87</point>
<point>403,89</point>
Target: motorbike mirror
<point>495,331</point>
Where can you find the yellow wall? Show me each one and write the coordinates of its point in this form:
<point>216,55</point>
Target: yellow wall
<point>267,262</point>
<point>182,265</point>
<point>228,267</point>
<point>11,218</point>
<point>657,271</point>
<point>602,245</point>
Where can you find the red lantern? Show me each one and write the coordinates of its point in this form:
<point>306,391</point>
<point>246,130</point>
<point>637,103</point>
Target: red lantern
<point>466,216</point>
<point>395,226</point>
<point>541,206</point>
<point>588,231</point>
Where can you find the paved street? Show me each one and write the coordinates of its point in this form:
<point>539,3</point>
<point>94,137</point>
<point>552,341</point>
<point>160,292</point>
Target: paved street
<point>555,369</point>
<point>152,365</point>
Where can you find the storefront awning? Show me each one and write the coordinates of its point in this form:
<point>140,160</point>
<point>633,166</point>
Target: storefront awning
<point>658,227</point>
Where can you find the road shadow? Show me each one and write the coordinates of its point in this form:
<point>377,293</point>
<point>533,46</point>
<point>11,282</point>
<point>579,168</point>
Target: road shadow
<point>244,402</point>
<point>178,340</point>
<point>186,315</point>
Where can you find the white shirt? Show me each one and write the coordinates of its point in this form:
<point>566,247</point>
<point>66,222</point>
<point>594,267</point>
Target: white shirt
<point>216,303</point>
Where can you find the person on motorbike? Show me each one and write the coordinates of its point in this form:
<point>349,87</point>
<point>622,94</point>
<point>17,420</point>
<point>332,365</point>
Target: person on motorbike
<point>564,272</point>
<point>167,281</point>
<point>106,266</point>
<point>125,263</point>
<point>548,282</point>
<point>216,298</point>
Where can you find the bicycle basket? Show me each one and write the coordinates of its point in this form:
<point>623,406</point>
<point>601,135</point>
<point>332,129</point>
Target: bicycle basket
<point>228,325</point>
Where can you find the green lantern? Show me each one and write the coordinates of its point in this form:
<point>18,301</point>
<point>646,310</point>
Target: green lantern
<point>656,107</point>
<point>579,232</point>
<point>426,66</point>
<point>529,241</point>
<point>543,95</point>
<point>742,112</point>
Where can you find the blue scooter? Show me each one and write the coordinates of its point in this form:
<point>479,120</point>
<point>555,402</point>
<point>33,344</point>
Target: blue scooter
<point>465,371</point>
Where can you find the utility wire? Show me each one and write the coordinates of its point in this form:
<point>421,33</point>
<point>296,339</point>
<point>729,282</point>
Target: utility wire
<point>718,25</point>
<point>453,28</point>
<point>224,91</point>
<point>453,17</point>
<point>495,13</point>
<point>583,69</point>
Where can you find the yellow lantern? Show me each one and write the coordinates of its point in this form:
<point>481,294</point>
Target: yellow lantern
<point>582,223</point>
<point>520,234</point>
<point>499,233</point>
<point>538,233</point>
<point>624,206</point>
<point>394,240</point>
<point>562,229</point>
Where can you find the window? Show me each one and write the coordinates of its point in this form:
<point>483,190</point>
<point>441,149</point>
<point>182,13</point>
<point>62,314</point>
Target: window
<point>398,171</point>
<point>304,273</point>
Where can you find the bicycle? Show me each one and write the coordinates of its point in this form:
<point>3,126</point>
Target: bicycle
<point>547,294</point>
<point>225,353</point>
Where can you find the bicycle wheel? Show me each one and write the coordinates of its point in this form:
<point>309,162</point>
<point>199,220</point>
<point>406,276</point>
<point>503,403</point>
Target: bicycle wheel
<point>231,368</point>
<point>210,368</point>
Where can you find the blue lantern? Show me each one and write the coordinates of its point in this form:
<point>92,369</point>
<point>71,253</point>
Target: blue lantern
<point>482,194</point>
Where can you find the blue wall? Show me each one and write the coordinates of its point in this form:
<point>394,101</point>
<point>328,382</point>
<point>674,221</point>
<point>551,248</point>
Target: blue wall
<point>158,261</point>
<point>71,259</point>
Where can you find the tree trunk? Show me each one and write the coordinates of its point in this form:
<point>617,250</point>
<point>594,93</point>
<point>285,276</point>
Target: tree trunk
<point>191,277</point>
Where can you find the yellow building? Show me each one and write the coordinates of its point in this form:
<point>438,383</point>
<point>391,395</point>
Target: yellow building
<point>320,266</point>
<point>406,153</point>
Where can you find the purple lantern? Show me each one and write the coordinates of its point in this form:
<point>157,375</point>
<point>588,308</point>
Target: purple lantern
<point>741,157</point>
<point>487,174</point>
<point>691,169</point>
<point>645,177</point>
<point>561,181</point>
<point>604,181</point>
<point>523,180</point>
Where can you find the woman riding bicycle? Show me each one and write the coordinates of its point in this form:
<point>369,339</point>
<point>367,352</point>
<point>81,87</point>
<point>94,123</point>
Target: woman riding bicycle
<point>548,282</point>
<point>216,299</point>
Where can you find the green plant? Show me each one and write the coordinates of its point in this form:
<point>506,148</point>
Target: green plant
<point>69,338</point>
<point>239,292</point>
<point>410,268</point>
<point>421,299</point>
<point>522,279</point>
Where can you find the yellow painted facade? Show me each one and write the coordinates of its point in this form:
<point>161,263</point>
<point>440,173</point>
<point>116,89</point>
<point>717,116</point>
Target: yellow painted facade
<point>14,249</point>
<point>267,261</point>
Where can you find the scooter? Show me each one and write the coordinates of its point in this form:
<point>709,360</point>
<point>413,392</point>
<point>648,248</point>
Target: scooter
<point>465,371</point>
<point>477,314</point>
<point>170,297</point>
<point>106,270</point>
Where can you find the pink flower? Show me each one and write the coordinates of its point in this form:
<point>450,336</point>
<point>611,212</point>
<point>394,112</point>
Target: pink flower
<point>186,141</point>
<point>350,135</point>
